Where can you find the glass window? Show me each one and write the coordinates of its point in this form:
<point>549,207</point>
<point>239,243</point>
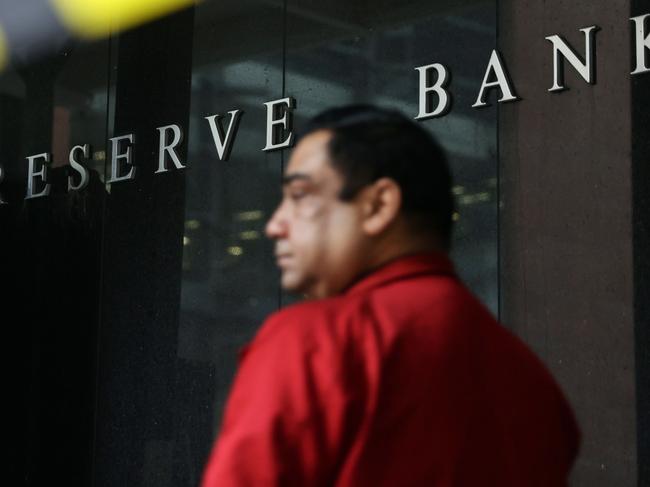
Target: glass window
<point>51,247</point>
<point>139,293</point>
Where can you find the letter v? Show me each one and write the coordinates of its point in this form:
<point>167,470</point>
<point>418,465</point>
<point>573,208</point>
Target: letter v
<point>224,143</point>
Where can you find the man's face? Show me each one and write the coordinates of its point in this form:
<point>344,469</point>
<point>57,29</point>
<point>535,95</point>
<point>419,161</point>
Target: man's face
<point>319,241</point>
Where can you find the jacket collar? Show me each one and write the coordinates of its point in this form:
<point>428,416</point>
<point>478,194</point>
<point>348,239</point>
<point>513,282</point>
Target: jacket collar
<point>404,267</point>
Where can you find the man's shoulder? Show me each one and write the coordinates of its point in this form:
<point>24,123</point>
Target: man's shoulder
<point>432,298</point>
<point>439,299</point>
<point>301,323</point>
<point>314,309</point>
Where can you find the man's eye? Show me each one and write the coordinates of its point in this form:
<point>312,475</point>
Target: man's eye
<point>296,195</point>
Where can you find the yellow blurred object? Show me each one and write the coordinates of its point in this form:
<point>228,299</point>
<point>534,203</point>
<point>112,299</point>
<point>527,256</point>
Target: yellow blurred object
<point>97,18</point>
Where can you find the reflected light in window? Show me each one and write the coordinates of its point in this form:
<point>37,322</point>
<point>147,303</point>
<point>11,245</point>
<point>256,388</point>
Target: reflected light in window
<point>249,235</point>
<point>247,216</point>
<point>235,250</point>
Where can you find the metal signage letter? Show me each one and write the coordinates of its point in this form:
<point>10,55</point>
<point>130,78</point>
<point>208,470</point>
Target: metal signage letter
<point>444,98</point>
<point>586,68</point>
<point>274,109</point>
<point>116,156</point>
<point>642,44</point>
<point>85,178</point>
<point>223,142</point>
<point>168,148</point>
<point>495,65</point>
<point>31,175</point>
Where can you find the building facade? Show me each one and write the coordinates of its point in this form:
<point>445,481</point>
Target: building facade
<point>137,174</point>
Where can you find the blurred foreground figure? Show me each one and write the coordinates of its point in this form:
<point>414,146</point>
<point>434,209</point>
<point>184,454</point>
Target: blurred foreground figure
<point>393,374</point>
<point>33,28</point>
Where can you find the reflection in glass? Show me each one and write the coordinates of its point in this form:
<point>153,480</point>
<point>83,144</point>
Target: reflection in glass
<point>51,259</point>
<point>169,348</point>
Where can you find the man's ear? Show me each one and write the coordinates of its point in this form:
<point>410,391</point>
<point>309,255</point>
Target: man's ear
<point>381,204</point>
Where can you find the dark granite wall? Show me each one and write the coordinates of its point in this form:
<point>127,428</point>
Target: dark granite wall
<point>566,228</point>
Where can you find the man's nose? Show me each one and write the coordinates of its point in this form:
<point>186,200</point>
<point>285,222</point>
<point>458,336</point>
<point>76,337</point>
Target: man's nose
<point>276,227</point>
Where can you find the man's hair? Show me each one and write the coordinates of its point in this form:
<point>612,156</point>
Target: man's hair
<point>369,143</point>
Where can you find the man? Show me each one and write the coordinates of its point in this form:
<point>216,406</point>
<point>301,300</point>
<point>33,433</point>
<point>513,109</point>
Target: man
<point>392,374</point>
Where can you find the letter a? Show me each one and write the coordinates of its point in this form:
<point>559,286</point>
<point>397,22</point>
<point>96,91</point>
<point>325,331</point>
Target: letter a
<point>507,92</point>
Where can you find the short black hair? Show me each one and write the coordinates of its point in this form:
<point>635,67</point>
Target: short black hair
<point>370,142</point>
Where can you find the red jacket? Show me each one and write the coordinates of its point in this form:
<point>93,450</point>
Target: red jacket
<point>404,380</point>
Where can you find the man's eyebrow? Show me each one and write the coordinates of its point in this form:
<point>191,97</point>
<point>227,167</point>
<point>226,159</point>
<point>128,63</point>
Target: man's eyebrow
<point>288,178</point>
